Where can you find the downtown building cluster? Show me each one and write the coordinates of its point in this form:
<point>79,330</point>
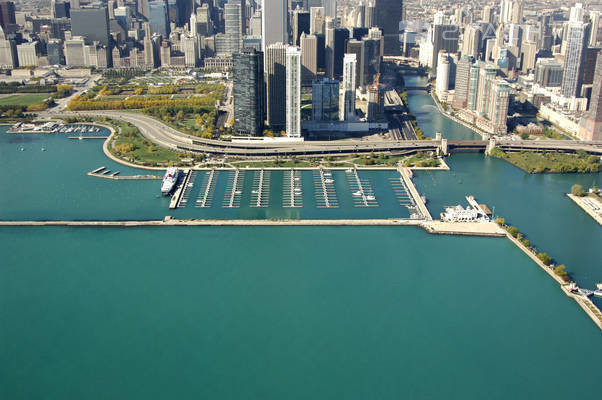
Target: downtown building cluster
<point>489,57</point>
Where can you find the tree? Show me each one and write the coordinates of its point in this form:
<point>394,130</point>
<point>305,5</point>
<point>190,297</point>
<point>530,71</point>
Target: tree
<point>524,136</point>
<point>577,190</point>
<point>513,230</point>
<point>544,258</point>
<point>561,272</point>
<point>500,221</point>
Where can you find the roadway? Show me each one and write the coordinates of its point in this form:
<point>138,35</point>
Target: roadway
<point>163,135</point>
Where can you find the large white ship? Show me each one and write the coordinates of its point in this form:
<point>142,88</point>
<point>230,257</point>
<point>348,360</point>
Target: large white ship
<point>169,180</point>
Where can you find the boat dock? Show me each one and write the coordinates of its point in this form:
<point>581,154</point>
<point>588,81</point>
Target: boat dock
<point>362,192</point>
<point>205,198</point>
<point>406,178</point>
<point>87,137</point>
<point>324,190</point>
<point>175,199</point>
<point>103,172</point>
<point>481,208</point>
<point>590,205</point>
<point>261,189</point>
<point>188,185</point>
<point>234,189</point>
<point>292,196</point>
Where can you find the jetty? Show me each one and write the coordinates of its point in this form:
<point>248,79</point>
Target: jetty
<point>175,199</point>
<point>591,206</point>
<point>324,190</point>
<point>292,192</point>
<point>206,195</point>
<point>363,194</point>
<point>234,189</point>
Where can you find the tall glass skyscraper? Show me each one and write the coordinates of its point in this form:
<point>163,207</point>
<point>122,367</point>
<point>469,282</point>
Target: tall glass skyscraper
<point>388,16</point>
<point>248,92</point>
<point>577,40</point>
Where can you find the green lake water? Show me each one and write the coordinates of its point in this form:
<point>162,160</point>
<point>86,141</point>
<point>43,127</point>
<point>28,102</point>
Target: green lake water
<point>288,312</point>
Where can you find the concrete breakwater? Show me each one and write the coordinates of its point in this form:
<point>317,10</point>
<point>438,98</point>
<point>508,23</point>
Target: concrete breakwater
<point>102,172</point>
<point>579,201</point>
<point>586,304</point>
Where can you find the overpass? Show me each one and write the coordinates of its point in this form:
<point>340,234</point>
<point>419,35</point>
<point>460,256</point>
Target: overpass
<point>165,136</point>
<point>426,88</point>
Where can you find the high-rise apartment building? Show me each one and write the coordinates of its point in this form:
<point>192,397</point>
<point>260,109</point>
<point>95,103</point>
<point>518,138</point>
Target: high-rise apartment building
<point>248,92</point>
<point>576,44</point>
<point>293,92</point>
<point>347,93</point>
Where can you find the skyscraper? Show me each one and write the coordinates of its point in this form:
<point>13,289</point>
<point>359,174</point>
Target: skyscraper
<point>445,37</point>
<point>591,125</point>
<point>274,22</point>
<point>576,43</point>
<point>329,29</point>
<point>325,100</point>
<point>387,18</point>
<point>293,92</point>
<point>275,75</point>
<point>248,92</point>
<point>370,61</point>
<point>347,102</point>
<point>462,82</point>
<point>91,23</point>
<point>233,26</point>
<point>316,20</point>
<point>157,18</point>
<point>341,35</point>
<point>309,57</point>
<point>300,25</point>
<point>7,14</point>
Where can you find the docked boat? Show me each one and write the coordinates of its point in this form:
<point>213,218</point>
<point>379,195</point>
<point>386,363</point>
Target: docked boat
<point>169,180</point>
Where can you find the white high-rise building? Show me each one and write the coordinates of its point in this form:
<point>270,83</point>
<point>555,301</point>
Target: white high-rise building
<point>293,92</point>
<point>274,22</point>
<point>316,20</point>
<point>443,71</point>
<point>593,35</point>
<point>190,47</point>
<point>347,89</point>
<point>28,53</point>
<point>506,11</point>
<point>577,13</point>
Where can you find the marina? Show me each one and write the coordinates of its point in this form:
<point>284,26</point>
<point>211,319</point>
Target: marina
<point>205,198</point>
<point>260,191</point>
<point>363,194</point>
<point>234,189</point>
<point>292,196</point>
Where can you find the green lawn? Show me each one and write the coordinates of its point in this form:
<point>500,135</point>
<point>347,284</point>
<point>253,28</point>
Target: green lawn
<point>23,99</point>
<point>536,163</point>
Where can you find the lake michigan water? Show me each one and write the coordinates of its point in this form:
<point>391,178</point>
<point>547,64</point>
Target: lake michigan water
<point>288,312</point>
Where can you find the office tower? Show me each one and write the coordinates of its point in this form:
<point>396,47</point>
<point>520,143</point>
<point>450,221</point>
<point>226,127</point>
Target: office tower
<point>185,8</point>
<point>369,61</point>
<point>576,43</point>
<point>462,82</point>
<point>203,20</point>
<point>576,13</point>
<point>388,15</point>
<point>505,11</point>
<point>28,53</point>
<point>515,35</point>
<point>548,72</point>
<point>330,8</point>
<point>498,107</point>
<point>376,102</point>
<point>329,30</point>
<point>233,27</point>
<point>341,35</point>
<point>8,52</point>
<point>473,86</point>
<point>443,70</point>
<point>75,53</point>
<point>369,16</point>
<point>517,12</point>
<point>487,14</point>
<point>591,125</point>
<point>274,22</point>
<point>347,101</point>
<point>275,76</point>
<point>7,14</point>
<point>471,41</point>
<point>300,25</point>
<point>293,92</point>
<point>91,23</point>
<point>141,7</point>
<point>595,22</point>
<point>165,53</point>
<point>248,92</point>
<point>545,32</point>
<point>157,18</point>
<point>150,60</point>
<point>316,20</point>
<point>54,49</point>
<point>589,65</point>
<point>445,37</point>
<point>243,14</point>
<point>309,57</point>
<point>255,24</point>
<point>528,56</point>
<point>325,100</point>
<point>190,48</point>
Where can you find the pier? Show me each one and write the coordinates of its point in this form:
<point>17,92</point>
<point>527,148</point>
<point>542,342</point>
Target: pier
<point>234,189</point>
<point>406,178</point>
<point>324,190</point>
<point>362,192</point>
<point>188,185</point>
<point>87,137</point>
<point>292,196</point>
<point>175,199</point>
<point>103,172</point>
<point>206,195</point>
<point>591,206</point>
<point>261,189</point>
<point>402,194</point>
